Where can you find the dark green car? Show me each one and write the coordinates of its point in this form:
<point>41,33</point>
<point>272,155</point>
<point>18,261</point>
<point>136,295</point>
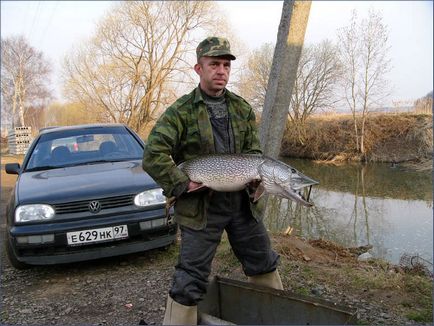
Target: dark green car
<point>81,194</point>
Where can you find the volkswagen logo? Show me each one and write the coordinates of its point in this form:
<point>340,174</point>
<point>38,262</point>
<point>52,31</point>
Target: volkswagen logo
<point>94,206</point>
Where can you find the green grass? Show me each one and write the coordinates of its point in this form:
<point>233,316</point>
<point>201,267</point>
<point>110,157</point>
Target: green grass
<point>423,316</point>
<point>416,290</point>
<point>421,308</point>
<point>302,291</point>
<point>226,257</point>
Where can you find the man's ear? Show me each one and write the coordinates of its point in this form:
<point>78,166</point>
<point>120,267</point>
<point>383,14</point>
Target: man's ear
<point>198,68</point>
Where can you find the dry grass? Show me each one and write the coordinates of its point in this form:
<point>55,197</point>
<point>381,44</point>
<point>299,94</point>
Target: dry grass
<point>388,138</point>
<point>306,265</point>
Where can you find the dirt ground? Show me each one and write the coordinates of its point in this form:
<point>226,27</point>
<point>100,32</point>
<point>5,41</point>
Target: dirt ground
<point>128,290</point>
<point>132,290</point>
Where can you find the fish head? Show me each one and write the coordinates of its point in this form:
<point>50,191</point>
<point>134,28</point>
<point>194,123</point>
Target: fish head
<point>284,181</point>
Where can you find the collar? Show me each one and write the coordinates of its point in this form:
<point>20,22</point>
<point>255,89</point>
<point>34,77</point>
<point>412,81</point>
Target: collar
<point>199,98</point>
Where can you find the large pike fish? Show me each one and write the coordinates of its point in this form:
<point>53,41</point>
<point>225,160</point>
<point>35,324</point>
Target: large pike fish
<point>232,172</point>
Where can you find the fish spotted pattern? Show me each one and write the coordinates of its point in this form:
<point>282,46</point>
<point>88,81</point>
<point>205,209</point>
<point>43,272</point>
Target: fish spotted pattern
<point>232,172</point>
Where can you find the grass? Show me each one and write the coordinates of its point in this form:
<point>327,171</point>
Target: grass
<point>424,316</point>
<point>388,138</point>
<point>226,257</point>
<point>366,279</point>
<point>420,309</point>
<point>302,291</point>
<point>406,293</point>
<point>391,289</point>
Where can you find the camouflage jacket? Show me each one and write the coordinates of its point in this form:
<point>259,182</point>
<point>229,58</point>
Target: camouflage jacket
<point>184,132</point>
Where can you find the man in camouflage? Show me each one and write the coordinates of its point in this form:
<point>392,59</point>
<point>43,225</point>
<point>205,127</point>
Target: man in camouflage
<point>210,119</point>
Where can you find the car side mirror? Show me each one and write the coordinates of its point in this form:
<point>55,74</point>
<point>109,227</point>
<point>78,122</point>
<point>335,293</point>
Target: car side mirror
<point>12,168</point>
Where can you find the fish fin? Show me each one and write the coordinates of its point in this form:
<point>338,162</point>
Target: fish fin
<point>197,189</point>
<point>258,193</point>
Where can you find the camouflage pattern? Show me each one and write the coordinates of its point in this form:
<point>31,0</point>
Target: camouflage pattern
<point>184,132</point>
<point>214,47</point>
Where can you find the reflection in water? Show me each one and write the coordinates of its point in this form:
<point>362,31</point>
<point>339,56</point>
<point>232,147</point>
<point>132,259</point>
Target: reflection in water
<point>355,205</point>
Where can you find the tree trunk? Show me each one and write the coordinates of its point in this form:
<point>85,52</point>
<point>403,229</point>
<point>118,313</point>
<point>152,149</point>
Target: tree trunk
<point>14,108</point>
<point>356,132</point>
<point>21,114</point>
<point>290,38</point>
<point>362,138</point>
<point>21,104</point>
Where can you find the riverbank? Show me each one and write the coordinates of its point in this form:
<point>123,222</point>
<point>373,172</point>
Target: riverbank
<point>391,138</point>
<point>381,292</point>
<point>132,289</point>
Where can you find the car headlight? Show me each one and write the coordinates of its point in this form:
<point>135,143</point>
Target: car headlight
<point>35,212</point>
<point>150,197</point>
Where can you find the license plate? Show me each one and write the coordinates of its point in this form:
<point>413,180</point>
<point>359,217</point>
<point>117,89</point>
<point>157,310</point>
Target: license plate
<point>97,235</point>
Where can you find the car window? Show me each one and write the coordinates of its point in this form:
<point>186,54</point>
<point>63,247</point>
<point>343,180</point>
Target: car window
<point>70,142</point>
<point>84,146</point>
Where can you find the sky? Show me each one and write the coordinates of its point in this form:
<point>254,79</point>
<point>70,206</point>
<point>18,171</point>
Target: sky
<point>55,27</point>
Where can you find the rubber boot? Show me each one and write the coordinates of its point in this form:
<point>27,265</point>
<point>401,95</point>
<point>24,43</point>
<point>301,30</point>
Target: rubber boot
<point>271,280</point>
<point>178,314</point>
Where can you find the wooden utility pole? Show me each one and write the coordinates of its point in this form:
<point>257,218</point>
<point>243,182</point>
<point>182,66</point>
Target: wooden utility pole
<point>290,38</point>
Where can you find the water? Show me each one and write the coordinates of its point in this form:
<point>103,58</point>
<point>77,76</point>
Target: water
<point>385,206</point>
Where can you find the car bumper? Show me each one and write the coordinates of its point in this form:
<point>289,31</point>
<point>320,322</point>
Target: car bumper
<point>59,251</point>
<point>97,253</point>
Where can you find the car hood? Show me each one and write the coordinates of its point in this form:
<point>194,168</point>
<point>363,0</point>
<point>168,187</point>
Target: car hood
<point>83,182</point>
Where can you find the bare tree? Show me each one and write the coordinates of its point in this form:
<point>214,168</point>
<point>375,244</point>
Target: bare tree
<point>375,65</point>
<point>7,101</point>
<point>349,54</point>
<point>424,104</point>
<point>365,54</point>
<point>318,72</point>
<point>34,117</point>
<point>253,81</point>
<point>139,53</point>
<point>24,78</point>
<point>64,114</point>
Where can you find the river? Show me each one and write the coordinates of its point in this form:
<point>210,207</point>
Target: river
<point>383,205</point>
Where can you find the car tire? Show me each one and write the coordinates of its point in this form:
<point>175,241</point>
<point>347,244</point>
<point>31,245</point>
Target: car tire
<point>12,258</point>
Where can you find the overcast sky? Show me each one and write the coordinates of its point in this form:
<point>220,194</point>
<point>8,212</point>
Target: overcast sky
<point>54,27</point>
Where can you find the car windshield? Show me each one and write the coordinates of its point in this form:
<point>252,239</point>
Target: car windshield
<point>83,146</point>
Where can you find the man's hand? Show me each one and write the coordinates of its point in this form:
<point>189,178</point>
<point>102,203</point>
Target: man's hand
<point>194,186</point>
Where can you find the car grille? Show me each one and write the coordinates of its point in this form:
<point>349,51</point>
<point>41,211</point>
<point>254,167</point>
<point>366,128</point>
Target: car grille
<point>83,206</point>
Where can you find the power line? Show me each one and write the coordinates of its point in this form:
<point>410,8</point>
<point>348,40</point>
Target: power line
<point>42,38</point>
<point>34,20</point>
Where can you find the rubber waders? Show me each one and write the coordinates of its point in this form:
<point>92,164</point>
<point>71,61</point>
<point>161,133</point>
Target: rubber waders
<point>178,314</point>
<point>271,280</point>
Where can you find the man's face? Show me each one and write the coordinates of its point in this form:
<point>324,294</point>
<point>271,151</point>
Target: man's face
<point>214,74</point>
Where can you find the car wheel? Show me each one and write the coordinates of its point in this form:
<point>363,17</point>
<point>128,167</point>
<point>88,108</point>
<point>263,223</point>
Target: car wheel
<point>12,258</point>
